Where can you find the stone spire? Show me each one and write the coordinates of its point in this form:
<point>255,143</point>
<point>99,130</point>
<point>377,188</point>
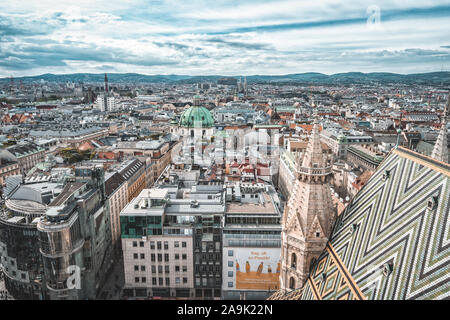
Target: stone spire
<point>309,215</point>
<point>440,150</point>
<point>314,153</point>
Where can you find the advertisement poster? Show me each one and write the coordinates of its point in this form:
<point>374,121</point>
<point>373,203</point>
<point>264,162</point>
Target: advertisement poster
<point>257,269</point>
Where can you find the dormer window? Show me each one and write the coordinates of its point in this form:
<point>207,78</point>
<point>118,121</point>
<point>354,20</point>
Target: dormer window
<point>353,228</point>
<point>387,268</point>
<point>432,203</point>
<point>386,175</point>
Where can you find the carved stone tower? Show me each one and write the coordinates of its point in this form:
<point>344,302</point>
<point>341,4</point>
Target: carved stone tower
<point>440,150</point>
<point>308,217</point>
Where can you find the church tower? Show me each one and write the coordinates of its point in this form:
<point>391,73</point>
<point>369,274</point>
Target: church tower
<point>106,83</point>
<point>245,86</point>
<point>440,150</point>
<point>308,217</point>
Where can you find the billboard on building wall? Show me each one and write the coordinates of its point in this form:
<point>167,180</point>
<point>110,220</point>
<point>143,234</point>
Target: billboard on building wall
<point>257,269</point>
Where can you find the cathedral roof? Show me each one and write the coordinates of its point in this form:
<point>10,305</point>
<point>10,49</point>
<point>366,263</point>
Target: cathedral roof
<point>392,241</point>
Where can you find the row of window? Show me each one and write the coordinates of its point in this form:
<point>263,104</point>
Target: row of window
<point>160,268</point>
<point>176,244</point>
<point>252,220</point>
<point>14,273</point>
<point>206,257</point>
<point>9,168</point>
<point>160,281</point>
<point>208,281</point>
<point>160,256</point>
<point>207,268</point>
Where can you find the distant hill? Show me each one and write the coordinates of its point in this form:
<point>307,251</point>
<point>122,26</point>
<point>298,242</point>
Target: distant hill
<point>306,78</point>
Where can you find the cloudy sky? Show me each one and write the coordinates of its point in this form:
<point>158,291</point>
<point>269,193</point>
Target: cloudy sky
<point>232,37</point>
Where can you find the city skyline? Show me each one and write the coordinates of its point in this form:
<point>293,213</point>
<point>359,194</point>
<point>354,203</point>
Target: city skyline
<point>224,37</point>
<point>243,151</point>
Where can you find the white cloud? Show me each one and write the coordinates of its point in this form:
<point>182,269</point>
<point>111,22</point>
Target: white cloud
<point>221,37</point>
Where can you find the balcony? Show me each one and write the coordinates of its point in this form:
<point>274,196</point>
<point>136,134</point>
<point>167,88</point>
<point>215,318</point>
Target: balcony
<point>315,171</point>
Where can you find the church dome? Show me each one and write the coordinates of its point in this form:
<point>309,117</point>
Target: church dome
<point>196,117</point>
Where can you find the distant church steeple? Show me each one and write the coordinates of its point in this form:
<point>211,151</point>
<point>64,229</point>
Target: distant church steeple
<point>309,215</point>
<point>245,86</point>
<point>106,83</point>
<point>440,150</point>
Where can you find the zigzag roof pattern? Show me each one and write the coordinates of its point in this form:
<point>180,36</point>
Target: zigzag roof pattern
<point>392,242</point>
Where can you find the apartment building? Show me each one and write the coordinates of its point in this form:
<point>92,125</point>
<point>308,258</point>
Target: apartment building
<point>75,234</point>
<point>116,188</point>
<point>251,242</point>
<point>27,155</point>
<point>157,261</point>
<point>133,171</point>
<point>8,168</point>
<point>51,230</point>
<point>158,150</point>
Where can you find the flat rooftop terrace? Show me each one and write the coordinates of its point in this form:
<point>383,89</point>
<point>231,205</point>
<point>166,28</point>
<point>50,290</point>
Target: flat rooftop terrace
<point>239,207</point>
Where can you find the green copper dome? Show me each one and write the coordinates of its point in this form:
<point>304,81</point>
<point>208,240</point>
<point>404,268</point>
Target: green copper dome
<point>196,117</point>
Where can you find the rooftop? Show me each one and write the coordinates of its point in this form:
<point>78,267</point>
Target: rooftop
<point>24,149</point>
<point>65,133</point>
<point>258,208</point>
<point>148,202</point>
<point>65,194</point>
<point>113,182</point>
<point>366,154</point>
<point>130,167</point>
